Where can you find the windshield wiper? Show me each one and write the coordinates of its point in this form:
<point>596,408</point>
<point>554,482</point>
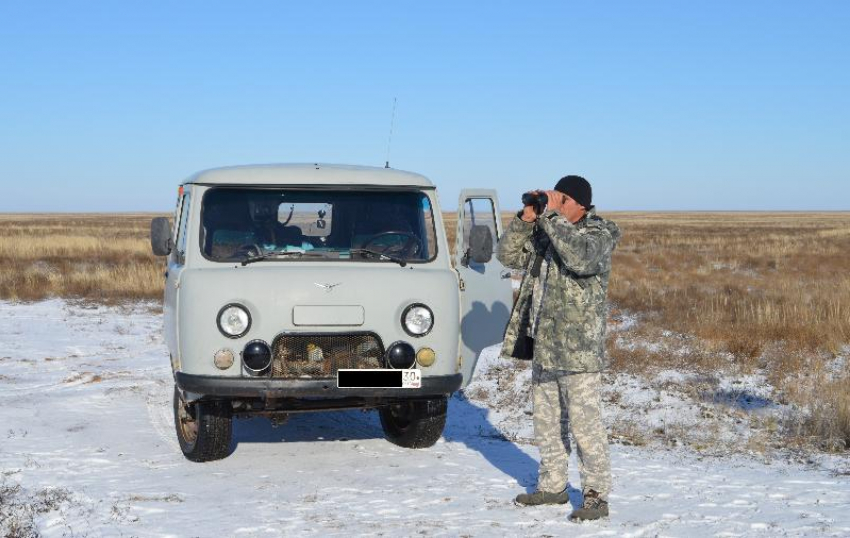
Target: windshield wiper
<point>379,255</point>
<point>275,254</point>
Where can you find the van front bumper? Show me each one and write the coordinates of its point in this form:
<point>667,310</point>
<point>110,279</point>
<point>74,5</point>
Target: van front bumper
<point>247,387</point>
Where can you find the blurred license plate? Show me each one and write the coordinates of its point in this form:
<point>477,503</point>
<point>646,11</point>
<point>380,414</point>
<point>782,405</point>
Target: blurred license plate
<point>379,378</point>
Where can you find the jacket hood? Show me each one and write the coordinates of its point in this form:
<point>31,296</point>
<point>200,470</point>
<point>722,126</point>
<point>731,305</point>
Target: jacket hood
<point>612,227</point>
<point>609,225</point>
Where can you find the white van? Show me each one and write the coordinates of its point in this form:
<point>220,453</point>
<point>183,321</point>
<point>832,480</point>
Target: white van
<point>308,287</point>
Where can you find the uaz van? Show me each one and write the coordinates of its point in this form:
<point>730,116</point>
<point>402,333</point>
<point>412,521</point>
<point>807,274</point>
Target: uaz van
<point>309,287</point>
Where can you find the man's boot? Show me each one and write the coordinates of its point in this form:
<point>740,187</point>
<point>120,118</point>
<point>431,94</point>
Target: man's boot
<point>592,508</point>
<point>542,497</point>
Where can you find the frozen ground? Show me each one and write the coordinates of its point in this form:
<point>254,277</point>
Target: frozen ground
<point>87,448</point>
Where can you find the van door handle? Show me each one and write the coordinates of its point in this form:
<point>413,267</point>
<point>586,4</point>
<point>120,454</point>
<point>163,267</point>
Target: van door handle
<point>506,274</point>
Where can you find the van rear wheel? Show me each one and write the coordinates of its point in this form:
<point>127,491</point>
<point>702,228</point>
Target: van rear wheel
<point>416,423</point>
<point>204,429</point>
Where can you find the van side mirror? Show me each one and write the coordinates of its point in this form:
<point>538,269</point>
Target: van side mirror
<point>480,244</point>
<point>161,242</point>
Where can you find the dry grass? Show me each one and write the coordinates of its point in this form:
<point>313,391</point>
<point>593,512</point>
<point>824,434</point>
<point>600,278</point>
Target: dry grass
<point>824,399</point>
<point>99,257</point>
<point>743,282</point>
<point>20,508</point>
<point>739,292</point>
<point>712,291</point>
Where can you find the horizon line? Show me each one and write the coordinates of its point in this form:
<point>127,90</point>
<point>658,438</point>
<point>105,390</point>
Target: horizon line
<point>512,210</point>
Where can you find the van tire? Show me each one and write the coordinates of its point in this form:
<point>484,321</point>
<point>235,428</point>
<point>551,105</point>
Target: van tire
<point>416,423</point>
<point>204,429</point>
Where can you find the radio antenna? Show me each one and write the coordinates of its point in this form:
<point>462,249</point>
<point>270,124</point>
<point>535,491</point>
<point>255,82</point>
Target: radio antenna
<point>390,141</point>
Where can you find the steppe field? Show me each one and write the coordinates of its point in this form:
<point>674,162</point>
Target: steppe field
<point>727,402</point>
<point>743,294</point>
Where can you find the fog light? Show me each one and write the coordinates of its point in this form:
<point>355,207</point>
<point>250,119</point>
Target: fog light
<point>257,357</point>
<point>401,355</point>
<point>426,356</point>
<point>223,359</point>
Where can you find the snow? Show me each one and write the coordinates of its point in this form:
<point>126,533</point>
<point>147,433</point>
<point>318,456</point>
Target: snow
<point>87,447</point>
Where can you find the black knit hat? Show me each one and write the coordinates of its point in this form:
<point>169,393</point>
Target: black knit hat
<point>577,188</point>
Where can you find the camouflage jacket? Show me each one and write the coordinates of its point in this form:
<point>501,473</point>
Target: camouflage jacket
<point>571,325</point>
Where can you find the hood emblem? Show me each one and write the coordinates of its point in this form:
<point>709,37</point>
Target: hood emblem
<point>327,287</point>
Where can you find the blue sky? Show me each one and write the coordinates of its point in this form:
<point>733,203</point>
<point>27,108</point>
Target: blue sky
<point>106,106</point>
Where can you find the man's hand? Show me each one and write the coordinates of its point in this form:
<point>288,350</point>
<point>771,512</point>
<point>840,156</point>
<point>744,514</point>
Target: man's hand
<point>528,214</point>
<point>556,201</point>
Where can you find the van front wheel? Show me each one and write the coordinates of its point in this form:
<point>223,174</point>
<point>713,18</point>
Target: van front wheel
<point>414,424</point>
<point>204,429</point>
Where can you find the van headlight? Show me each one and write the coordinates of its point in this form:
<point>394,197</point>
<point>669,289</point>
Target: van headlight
<point>417,320</point>
<point>234,320</point>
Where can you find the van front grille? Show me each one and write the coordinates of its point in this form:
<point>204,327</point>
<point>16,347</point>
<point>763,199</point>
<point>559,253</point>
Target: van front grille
<point>321,355</point>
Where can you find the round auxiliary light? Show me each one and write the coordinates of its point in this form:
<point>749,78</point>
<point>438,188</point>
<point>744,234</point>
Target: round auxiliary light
<point>223,359</point>
<point>426,356</point>
<point>417,320</point>
<point>401,355</point>
<point>234,320</point>
<point>257,357</point>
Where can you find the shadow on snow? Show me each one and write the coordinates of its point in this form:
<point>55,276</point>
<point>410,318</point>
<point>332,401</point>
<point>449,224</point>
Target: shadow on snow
<point>744,400</point>
<point>467,423</point>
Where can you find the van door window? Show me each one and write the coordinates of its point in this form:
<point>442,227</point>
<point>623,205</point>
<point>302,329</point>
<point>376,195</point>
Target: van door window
<point>479,212</point>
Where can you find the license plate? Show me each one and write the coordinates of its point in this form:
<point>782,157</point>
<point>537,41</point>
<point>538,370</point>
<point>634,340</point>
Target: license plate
<point>379,379</point>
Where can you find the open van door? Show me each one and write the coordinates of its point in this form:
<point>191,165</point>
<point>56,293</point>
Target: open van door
<point>486,294</point>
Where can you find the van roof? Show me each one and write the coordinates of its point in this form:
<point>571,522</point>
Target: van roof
<point>308,174</point>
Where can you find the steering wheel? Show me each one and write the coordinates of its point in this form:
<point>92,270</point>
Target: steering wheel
<point>411,247</point>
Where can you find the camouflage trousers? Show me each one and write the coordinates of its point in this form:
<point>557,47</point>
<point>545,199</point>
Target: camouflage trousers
<point>565,403</point>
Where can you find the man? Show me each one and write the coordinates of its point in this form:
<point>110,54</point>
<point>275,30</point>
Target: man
<point>559,321</point>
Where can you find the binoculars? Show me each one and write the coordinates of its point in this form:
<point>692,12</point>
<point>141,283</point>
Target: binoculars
<point>537,200</point>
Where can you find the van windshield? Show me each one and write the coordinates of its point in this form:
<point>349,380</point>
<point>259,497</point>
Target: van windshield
<point>366,225</point>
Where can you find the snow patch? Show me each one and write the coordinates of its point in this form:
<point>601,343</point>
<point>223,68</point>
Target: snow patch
<point>100,458</point>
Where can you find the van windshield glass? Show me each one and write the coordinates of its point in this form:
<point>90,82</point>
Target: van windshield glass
<point>360,226</point>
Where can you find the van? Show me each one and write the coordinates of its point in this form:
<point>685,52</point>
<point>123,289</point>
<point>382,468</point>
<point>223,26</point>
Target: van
<point>311,287</point>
